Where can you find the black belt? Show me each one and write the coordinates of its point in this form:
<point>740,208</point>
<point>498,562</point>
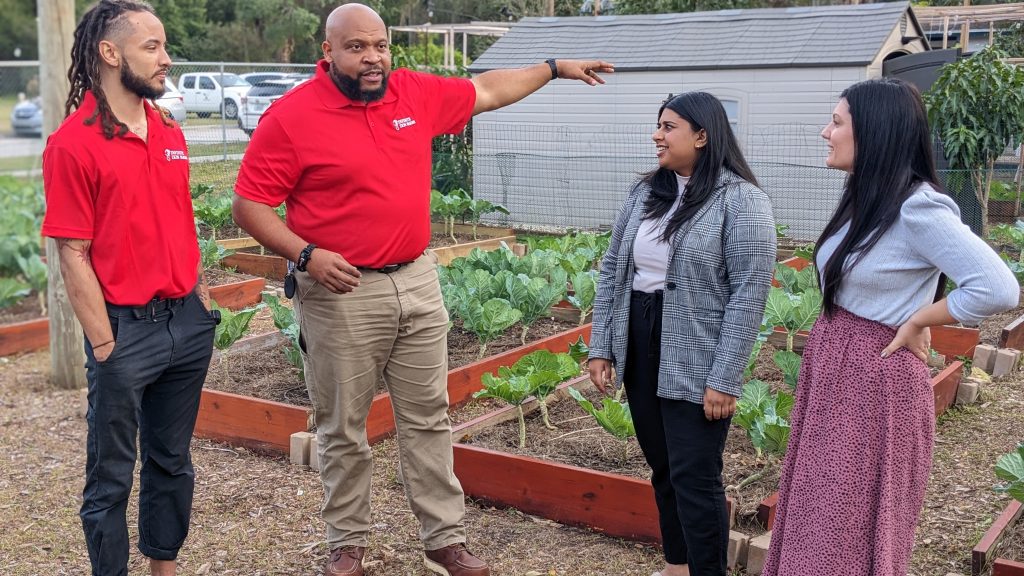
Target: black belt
<point>386,269</point>
<point>150,309</point>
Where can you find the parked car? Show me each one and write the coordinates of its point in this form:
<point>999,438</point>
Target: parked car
<point>255,78</point>
<point>209,92</point>
<point>173,101</point>
<point>27,118</point>
<point>260,97</point>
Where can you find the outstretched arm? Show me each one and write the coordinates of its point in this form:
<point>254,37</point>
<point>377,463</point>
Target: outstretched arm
<point>498,88</point>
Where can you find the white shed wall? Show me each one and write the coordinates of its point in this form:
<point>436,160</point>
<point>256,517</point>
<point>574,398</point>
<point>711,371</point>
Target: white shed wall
<point>566,155</point>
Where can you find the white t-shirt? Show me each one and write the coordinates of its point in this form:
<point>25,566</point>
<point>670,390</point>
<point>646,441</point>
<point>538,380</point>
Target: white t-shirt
<point>650,252</point>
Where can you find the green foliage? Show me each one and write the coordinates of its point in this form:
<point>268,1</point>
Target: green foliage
<point>532,297</point>
<point>284,320</point>
<point>789,362</point>
<point>780,231</point>
<point>1011,40</point>
<point>199,190</point>
<point>796,282</point>
<point>806,251</point>
<point>794,312</point>
<point>1010,469</point>
<point>233,325</point>
<point>33,270</point>
<point>214,211</point>
<point>487,319</point>
<point>448,207</point>
<point>764,416</point>
<point>999,190</point>
<point>478,208</point>
<point>977,108</point>
<point>584,285</point>
<point>20,221</point>
<point>578,251</point>
<point>579,350</point>
<point>614,416</point>
<point>211,253</point>
<point>11,291</point>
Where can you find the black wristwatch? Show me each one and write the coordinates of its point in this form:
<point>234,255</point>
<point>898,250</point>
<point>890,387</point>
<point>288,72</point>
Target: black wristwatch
<point>303,260</point>
<point>554,68</point>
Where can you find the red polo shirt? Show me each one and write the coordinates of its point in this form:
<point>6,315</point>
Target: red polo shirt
<point>355,177</point>
<point>131,198</point>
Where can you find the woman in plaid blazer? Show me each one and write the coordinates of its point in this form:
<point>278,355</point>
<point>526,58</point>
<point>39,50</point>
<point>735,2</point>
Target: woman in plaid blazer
<point>679,304</point>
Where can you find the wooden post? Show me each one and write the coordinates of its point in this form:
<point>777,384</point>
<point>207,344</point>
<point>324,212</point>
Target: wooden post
<point>549,9</point>
<point>945,32</point>
<point>965,30</point>
<point>56,34</point>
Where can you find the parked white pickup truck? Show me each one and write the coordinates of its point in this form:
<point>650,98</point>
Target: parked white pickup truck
<point>212,92</point>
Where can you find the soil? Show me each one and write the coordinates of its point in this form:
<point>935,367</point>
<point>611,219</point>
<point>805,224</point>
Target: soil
<point>993,326</point>
<point>24,310</point>
<point>268,375</point>
<point>219,277</point>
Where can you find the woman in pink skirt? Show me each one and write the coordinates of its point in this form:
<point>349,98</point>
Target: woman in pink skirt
<point>859,455</point>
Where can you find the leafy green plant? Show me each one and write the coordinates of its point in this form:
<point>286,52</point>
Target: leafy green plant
<point>199,190</point>
<point>614,416</point>
<point>806,251</point>
<point>584,285</point>
<point>999,190</point>
<point>211,253</point>
<point>20,221</point>
<point>579,350</point>
<point>487,319</point>
<point>233,325</point>
<point>793,312</point>
<point>284,321</point>
<point>533,297</point>
<point>764,416</point>
<point>213,211</point>
<point>557,368</point>
<point>1010,469</point>
<point>12,291</point>
<point>476,209</point>
<point>789,362</point>
<point>450,206</point>
<point>780,231</point>
<point>34,271</point>
<point>977,108</point>
<point>796,281</point>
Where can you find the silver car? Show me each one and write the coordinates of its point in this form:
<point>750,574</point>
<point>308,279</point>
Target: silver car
<point>173,101</point>
<point>260,97</point>
<point>27,118</point>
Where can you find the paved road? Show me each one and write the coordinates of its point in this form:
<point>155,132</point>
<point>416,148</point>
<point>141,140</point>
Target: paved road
<point>11,147</point>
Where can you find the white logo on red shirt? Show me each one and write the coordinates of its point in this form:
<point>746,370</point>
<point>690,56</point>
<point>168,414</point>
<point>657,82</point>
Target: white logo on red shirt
<point>403,123</point>
<point>175,154</point>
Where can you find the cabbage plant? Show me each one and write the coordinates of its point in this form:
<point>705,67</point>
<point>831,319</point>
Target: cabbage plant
<point>1010,469</point>
<point>614,417</point>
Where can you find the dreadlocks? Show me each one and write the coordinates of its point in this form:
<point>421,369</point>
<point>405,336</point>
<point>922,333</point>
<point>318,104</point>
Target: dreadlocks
<point>101,22</point>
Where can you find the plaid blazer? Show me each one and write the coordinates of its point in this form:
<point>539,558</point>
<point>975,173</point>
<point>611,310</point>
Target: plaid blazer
<point>719,272</point>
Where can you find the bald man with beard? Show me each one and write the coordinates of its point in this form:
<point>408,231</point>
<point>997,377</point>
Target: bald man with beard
<point>349,153</point>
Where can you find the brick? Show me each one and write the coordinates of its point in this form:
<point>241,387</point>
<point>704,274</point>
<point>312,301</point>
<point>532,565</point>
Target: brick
<point>314,453</point>
<point>985,357</point>
<point>937,361</point>
<point>968,391</point>
<point>1006,361</point>
<point>757,552</point>
<point>298,451</point>
<point>519,249</point>
<point>737,555</point>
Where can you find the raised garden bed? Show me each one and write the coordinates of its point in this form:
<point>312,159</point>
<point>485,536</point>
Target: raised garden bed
<point>1012,335</point>
<point>226,421</point>
<point>985,553</point>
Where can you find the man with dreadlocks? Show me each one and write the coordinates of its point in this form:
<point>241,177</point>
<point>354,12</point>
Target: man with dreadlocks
<point>118,205</point>
<point>349,153</point>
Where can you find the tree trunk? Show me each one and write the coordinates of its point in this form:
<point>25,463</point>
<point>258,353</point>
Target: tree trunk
<point>981,193</point>
<point>56,33</point>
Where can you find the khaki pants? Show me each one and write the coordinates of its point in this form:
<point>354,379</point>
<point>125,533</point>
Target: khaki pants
<point>394,328</point>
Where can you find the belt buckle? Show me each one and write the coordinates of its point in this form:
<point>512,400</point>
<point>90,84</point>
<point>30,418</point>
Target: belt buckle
<point>390,268</point>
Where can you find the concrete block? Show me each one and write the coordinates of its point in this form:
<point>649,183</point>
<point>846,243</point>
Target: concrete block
<point>737,555</point>
<point>968,391</point>
<point>299,448</point>
<point>519,249</point>
<point>937,361</point>
<point>314,453</point>
<point>985,357</point>
<point>757,553</point>
<point>1006,361</point>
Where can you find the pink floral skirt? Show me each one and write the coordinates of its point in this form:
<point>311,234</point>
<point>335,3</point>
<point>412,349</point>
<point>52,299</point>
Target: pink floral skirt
<point>860,451</point>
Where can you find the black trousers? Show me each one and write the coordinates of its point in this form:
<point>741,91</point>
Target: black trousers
<point>149,387</point>
<point>683,449</point>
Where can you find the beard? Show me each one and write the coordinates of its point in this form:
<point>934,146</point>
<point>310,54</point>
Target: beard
<point>350,87</point>
<point>138,85</point>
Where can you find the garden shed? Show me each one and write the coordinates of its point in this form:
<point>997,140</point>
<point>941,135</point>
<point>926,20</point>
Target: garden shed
<point>566,155</point>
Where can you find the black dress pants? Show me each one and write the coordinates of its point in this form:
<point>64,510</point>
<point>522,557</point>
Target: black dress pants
<point>683,448</point>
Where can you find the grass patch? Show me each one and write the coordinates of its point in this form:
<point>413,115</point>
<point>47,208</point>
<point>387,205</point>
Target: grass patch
<point>6,106</point>
<point>19,163</point>
<point>220,175</point>
<point>216,149</point>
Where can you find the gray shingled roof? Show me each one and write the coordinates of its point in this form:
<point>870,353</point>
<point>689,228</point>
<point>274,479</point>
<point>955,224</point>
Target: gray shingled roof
<point>850,35</point>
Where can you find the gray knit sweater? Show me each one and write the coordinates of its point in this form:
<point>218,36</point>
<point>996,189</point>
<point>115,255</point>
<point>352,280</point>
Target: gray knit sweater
<point>900,273</point>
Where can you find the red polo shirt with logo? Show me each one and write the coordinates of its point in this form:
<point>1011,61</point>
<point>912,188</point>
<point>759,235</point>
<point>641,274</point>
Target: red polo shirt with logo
<point>131,198</point>
<point>355,178</point>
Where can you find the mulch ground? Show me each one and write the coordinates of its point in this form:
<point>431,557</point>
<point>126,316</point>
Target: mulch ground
<point>26,309</point>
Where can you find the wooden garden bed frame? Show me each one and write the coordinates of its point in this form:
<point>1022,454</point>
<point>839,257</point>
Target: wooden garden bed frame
<point>268,425</point>
<point>1012,335</point>
<point>983,553</point>
<point>33,335</point>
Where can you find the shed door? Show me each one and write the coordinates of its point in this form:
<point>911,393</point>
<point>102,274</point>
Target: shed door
<point>921,69</point>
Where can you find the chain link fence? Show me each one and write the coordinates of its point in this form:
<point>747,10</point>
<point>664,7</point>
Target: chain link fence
<point>550,176</point>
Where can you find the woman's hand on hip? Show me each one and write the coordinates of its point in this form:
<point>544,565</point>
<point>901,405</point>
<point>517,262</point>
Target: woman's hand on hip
<point>718,405</point>
<point>916,339</point>
<point>600,373</point>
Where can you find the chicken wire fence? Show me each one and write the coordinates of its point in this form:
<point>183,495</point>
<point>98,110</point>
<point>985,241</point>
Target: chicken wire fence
<point>550,176</point>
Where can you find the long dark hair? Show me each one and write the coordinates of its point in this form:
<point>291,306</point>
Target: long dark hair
<point>98,23</point>
<point>703,112</point>
<point>892,155</point>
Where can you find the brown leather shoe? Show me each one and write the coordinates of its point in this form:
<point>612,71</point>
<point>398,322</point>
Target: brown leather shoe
<point>346,561</point>
<point>455,560</point>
